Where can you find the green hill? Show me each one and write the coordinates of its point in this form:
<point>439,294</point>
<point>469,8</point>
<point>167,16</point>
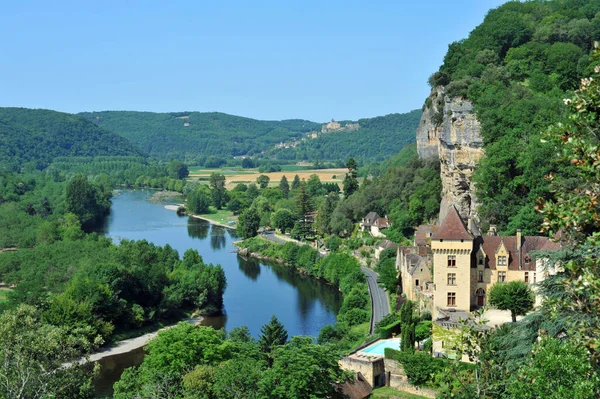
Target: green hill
<point>376,139</point>
<point>39,136</point>
<point>187,135</point>
<point>517,67</point>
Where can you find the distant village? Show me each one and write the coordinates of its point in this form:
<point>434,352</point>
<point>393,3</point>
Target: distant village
<point>330,127</point>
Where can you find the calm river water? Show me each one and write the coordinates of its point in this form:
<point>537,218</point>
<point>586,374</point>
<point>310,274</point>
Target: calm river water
<point>254,293</point>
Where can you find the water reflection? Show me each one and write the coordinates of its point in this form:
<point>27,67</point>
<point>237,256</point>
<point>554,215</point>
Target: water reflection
<point>250,267</point>
<point>217,237</point>
<point>198,228</point>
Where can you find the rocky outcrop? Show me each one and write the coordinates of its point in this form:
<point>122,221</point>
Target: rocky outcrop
<point>450,131</point>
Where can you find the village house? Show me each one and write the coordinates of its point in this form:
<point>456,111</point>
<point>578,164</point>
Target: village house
<point>466,264</point>
<point>382,246</point>
<point>373,224</point>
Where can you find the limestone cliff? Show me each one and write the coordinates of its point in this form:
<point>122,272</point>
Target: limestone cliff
<point>450,131</point>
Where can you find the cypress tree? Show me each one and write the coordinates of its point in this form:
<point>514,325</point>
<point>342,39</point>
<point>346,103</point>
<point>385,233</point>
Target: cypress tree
<point>272,334</point>
<point>284,187</point>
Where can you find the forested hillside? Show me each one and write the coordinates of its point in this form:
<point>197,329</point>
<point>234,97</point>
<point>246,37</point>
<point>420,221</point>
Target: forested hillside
<point>39,136</point>
<point>185,135</point>
<point>193,136</point>
<point>377,139</point>
<point>517,67</point>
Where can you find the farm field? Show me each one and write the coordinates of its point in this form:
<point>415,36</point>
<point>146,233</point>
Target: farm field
<point>234,177</point>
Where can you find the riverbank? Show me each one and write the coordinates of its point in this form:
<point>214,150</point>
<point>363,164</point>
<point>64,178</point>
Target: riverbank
<point>132,344</point>
<point>206,219</point>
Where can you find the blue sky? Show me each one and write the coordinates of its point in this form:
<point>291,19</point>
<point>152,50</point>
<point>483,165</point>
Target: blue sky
<point>306,59</point>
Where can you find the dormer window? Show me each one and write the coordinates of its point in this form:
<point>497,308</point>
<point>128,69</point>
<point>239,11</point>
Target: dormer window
<point>527,259</point>
<point>480,260</point>
<point>502,260</point>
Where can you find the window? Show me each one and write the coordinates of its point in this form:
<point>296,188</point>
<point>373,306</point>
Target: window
<point>451,299</point>
<point>501,260</point>
<point>527,277</point>
<point>451,278</point>
<point>534,279</point>
<point>451,260</point>
<point>480,260</point>
<point>501,277</point>
<point>417,283</point>
<point>480,279</point>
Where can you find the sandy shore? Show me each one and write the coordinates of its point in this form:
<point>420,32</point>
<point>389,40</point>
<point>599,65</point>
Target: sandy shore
<point>131,344</point>
<point>174,208</point>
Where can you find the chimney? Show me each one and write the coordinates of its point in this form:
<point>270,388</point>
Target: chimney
<point>470,225</point>
<point>519,255</point>
<point>493,230</point>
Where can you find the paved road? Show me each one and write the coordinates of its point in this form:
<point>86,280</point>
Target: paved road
<point>379,299</point>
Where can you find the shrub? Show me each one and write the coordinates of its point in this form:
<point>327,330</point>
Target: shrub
<point>423,330</point>
<point>438,79</point>
<point>354,316</point>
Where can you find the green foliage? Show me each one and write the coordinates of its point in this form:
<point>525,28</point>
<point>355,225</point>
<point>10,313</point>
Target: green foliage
<point>378,138</point>
<point>420,367</point>
<point>302,369</point>
<point>199,200</point>
<point>263,181</point>
<point>423,331</point>
<point>283,219</point>
<point>35,137</point>
<point>248,223</point>
<point>516,67</point>
<point>217,185</point>
<point>388,275</point>
<point>284,186</point>
<point>515,296</point>
<point>556,370</point>
<point>34,354</point>
<point>208,134</point>
<point>86,201</point>
<point>273,334</point>
<point>178,170</point>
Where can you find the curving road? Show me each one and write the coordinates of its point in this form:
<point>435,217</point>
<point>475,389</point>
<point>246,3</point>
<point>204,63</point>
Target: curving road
<point>380,305</point>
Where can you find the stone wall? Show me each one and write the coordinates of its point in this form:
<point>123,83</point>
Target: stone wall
<point>396,379</point>
<point>370,369</point>
<point>449,130</point>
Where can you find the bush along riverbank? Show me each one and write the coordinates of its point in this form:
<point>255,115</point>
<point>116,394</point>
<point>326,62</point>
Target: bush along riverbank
<point>337,268</point>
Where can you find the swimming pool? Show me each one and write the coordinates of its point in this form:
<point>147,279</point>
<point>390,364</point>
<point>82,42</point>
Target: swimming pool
<point>378,348</point>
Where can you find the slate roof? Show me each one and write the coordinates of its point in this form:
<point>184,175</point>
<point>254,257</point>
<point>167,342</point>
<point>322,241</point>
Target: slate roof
<point>529,244</point>
<point>385,244</point>
<point>370,218</point>
<point>452,228</point>
<point>424,233</point>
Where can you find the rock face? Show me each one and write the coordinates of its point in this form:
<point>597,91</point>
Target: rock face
<point>450,131</point>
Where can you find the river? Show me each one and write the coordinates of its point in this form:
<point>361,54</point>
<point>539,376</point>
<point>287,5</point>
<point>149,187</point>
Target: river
<point>255,291</point>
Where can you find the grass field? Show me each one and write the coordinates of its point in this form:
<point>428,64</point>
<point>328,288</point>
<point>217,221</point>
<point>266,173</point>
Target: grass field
<point>222,216</point>
<point>234,177</point>
<point>388,393</point>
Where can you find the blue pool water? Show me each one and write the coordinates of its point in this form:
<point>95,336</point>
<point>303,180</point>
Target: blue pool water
<point>379,347</point>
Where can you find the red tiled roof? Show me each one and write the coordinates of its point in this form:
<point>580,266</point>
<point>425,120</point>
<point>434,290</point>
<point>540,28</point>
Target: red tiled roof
<point>452,228</point>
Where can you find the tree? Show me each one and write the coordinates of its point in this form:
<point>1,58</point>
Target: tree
<point>350,181</point>
<point>302,369</point>
<point>557,369</point>
<point>284,186</point>
<point>247,163</point>
<point>84,201</point>
<point>34,354</point>
<point>303,208</point>
<point>217,184</point>
<point>272,335</point>
<point>283,219</point>
<point>388,276</point>
<point>295,182</point>
<point>263,181</point>
<point>515,296</point>
<point>248,223</point>
<point>198,201</point>
<point>314,187</point>
<point>178,170</point>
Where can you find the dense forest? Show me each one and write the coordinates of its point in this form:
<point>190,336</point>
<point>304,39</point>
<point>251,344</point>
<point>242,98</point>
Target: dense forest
<point>35,137</point>
<point>376,139</point>
<point>194,136</point>
<point>186,135</point>
<point>517,67</point>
